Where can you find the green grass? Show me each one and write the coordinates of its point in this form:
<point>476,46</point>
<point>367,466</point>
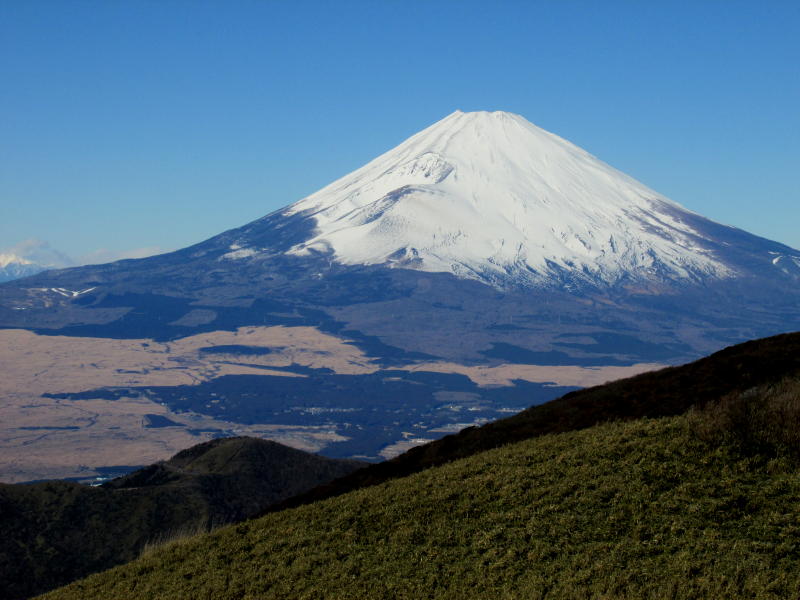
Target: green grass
<point>642,509</point>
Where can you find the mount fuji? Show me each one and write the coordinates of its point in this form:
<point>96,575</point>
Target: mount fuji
<point>491,197</point>
<point>477,198</point>
<point>481,249</point>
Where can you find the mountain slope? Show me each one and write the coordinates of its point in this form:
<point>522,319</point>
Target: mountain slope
<point>624,510</point>
<point>55,532</point>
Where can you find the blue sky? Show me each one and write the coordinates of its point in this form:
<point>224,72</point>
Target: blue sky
<point>144,124</point>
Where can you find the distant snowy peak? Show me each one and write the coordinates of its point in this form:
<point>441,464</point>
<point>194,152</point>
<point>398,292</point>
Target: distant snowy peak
<point>490,196</point>
<point>7,259</point>
<point>30,257</point>
<point>16,267</point>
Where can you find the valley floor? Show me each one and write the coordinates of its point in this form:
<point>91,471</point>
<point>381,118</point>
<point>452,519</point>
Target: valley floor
<point>79,407</point>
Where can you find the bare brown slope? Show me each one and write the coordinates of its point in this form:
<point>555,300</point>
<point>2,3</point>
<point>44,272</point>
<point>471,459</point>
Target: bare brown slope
<point>669,391</point>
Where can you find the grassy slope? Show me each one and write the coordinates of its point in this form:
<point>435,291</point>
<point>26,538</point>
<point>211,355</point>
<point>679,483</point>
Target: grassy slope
<point>640,509</point>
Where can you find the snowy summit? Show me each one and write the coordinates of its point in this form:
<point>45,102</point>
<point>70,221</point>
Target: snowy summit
<point>488,195</point>
<point>491,197</point>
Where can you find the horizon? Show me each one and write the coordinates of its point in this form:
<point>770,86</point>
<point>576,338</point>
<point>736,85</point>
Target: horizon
<point>134,128</point>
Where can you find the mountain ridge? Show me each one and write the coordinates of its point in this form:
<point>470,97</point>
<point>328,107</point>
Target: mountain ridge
<point>666,392</point>
<point>56,531</point>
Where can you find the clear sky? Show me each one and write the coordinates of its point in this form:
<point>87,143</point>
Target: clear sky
<point>156,124</point>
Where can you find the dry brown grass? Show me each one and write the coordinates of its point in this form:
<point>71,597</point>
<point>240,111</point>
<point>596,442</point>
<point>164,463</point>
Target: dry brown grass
<point>181,535</point>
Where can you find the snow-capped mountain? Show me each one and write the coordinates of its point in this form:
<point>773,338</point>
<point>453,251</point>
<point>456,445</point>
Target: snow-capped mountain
<point>30,257</point>
<point>492,197</point>
<point>484,194</point>
<point>481,236</point>
<point>14,267</point>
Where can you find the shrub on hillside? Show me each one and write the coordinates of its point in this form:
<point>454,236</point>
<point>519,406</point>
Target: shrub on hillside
<point>762,420</point>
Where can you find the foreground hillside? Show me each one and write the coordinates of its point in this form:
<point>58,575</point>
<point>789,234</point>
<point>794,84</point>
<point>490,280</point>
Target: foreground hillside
<point>697,506</point>
<point>55,532</point>
<point>670,391</point>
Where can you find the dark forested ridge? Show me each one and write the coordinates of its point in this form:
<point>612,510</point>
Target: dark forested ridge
<point>57,531</point>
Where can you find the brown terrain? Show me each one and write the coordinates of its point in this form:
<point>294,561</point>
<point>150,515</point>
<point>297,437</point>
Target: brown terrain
<point>42,437</point>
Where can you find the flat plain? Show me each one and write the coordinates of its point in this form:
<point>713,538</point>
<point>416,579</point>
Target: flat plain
<point>47,436</point>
